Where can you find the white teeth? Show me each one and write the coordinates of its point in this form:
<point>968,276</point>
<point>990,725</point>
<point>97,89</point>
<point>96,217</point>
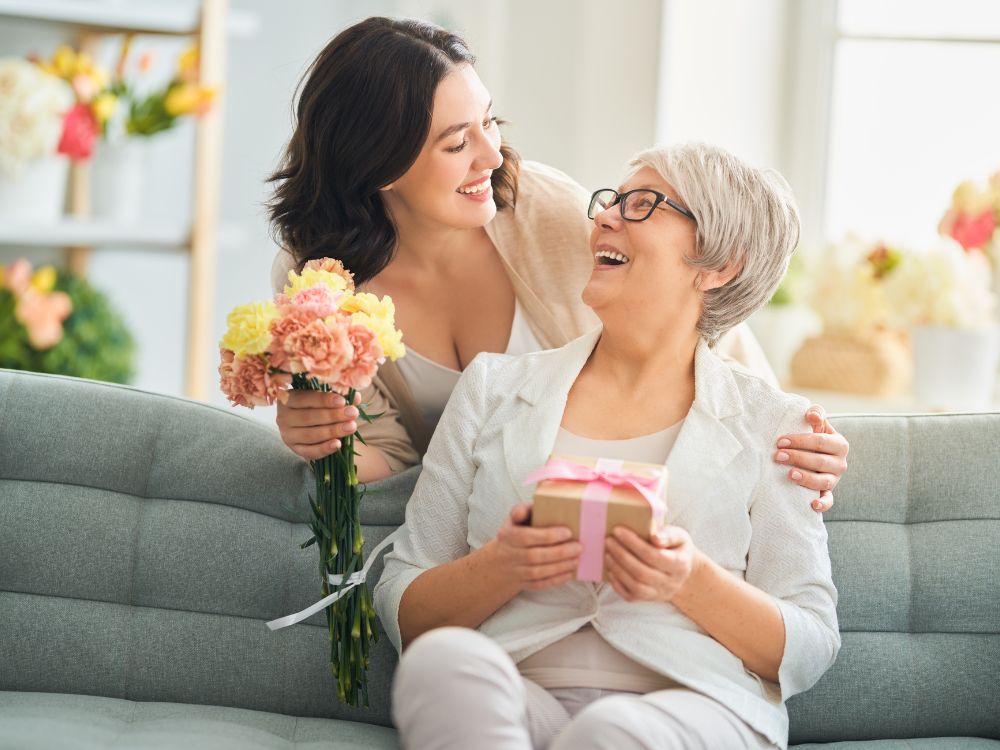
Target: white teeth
<point>475,188</point>
<point>612,255</point>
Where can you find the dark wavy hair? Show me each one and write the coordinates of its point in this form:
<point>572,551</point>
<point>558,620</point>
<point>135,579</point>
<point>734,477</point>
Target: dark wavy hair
<point>363,115</point>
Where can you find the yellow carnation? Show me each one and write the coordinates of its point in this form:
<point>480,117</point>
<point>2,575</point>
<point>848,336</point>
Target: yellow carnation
<point>390,339</point>
<point>363,302</point>
<point>311,277</point>
<point>249,328</point>
<point>44,279</point>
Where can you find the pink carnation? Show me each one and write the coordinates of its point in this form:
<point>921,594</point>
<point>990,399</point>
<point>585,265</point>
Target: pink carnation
<point>317,301</point>
<point>247,381</point>
<point>367,357</point>
<point>321,349</point>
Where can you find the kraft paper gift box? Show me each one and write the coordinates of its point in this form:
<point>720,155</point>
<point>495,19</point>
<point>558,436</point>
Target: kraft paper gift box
<point>593,495</point>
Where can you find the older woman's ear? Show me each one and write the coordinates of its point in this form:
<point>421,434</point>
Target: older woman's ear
<point>708,280</point>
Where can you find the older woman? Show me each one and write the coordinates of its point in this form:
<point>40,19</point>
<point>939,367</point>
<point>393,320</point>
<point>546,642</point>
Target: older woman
<point>700,634</point>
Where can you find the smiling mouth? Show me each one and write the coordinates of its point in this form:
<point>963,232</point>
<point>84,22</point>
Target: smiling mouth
<point>610,258</point>
<point>475,189</point>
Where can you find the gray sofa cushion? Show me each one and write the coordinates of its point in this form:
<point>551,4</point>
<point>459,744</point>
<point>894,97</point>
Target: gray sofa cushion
<point>915,545</point>
<point>43,721</point>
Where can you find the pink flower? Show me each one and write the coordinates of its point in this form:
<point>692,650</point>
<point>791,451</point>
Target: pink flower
<point>321,349</point>
<point>248,381</point>
<point>80,130</point>
<point>42,315</point>
<point>17,277</point>
<point>317,301</point>
<point>973,231</point>
<point>367,358</point>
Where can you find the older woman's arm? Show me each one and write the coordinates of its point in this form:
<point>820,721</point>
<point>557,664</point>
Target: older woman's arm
<point>781,621</point>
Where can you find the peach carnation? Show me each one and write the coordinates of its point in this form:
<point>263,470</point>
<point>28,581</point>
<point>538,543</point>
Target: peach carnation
<point>248,381</point>
<point>367,357</point>
<point>319,348</point>
<point>331,265</point>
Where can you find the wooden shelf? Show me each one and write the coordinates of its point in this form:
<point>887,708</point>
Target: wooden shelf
<point>116,16</point>
<point>94,233</point>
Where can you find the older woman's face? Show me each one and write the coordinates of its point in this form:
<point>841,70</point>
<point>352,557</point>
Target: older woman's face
<point>654,283</point>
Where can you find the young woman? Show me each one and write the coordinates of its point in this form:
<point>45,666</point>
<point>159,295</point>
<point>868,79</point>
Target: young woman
<point>700,634</point>
<point>396,167</point>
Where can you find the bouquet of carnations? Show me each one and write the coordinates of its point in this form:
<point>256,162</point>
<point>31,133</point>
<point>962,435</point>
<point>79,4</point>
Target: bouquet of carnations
<point>321,334</point>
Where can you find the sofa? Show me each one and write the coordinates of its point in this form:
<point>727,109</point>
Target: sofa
<point>146,539</point>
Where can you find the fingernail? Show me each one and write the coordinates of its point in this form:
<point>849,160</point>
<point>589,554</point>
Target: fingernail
<point>618,533</point>
<point>816,505</point>
<point>796,475</point>
<point>782,456</point>
<point>351,411</point>
<point>784,443</point>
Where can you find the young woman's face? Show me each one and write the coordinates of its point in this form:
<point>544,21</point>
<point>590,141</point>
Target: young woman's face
<point>449,183</point>
<point>654,282</point>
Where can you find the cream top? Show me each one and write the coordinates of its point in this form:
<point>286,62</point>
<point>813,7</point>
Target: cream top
<point>432,383</point>
<point>584,658</point>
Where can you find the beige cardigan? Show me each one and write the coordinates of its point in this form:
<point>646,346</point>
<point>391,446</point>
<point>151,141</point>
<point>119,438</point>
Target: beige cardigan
<point>545,246</point>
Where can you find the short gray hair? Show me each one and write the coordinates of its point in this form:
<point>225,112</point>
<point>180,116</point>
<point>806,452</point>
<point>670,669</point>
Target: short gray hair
<point>745,215</point>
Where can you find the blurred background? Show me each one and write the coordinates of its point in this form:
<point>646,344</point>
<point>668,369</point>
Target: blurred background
<point>132,169</point>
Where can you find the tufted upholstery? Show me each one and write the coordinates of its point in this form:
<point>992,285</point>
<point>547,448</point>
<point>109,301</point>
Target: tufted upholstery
<point>145,539</point>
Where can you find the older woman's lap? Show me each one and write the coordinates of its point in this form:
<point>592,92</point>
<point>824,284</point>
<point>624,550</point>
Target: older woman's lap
<point>456,688</point>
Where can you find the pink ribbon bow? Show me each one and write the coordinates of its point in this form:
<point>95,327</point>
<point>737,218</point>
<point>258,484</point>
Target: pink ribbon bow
<point>600,480</point>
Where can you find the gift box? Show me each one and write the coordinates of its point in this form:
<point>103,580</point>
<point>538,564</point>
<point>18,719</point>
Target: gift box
<point>593,495</point>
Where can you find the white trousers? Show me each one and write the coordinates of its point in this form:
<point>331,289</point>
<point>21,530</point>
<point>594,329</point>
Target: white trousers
<point>456,688</point>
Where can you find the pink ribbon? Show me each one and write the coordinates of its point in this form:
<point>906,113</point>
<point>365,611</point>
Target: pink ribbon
<point>600,480</point>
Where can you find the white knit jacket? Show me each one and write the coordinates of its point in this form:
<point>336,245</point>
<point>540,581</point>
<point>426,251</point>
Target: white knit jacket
<point>723,488</point>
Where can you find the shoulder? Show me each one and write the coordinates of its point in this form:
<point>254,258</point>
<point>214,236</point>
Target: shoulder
<point>549,203</point>
<point>769,408</point>
<point>536,178</point>
<point>283,263</point>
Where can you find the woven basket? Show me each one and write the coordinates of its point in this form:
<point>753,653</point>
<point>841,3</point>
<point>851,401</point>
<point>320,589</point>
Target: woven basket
<point>877,363</point>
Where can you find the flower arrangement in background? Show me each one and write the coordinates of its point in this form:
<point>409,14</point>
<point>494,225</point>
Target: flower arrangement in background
<point>159,109</point>
<point>56,322</point>
<point>320,334</point>
<point>974,215</point>
<point>33,109</point>
<point>95,103</point>
<point>941,285</point>
<point>848,287</point>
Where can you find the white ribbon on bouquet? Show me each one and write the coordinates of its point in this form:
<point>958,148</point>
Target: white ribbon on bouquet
<point>355,579</point>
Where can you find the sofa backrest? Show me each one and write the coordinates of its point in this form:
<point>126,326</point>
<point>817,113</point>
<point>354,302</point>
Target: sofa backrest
<point>915,544</point>
<point>144,542</point>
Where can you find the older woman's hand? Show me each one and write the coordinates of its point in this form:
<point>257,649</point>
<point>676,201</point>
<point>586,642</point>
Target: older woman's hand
<point>649,571</point>
<point>535,558</point>
<point>818,459</point>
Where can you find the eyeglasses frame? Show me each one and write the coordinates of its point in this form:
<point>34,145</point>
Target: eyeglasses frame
<point>620,202</point>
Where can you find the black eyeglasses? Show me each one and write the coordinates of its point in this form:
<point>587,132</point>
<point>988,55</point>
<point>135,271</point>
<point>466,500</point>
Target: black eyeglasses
<point>635,205</point>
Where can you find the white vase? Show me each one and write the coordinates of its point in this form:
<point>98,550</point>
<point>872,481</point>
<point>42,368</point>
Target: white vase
<point>37,194</point>
<point>954,369</point>
<point>118,180</point>
<point>781,330</point>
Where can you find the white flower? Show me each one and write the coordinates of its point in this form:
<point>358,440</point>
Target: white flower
<point>942,285</point>
<point>32,106</point>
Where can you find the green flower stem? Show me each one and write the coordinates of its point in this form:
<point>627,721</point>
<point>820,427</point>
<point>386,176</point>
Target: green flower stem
<point>351,620</point>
